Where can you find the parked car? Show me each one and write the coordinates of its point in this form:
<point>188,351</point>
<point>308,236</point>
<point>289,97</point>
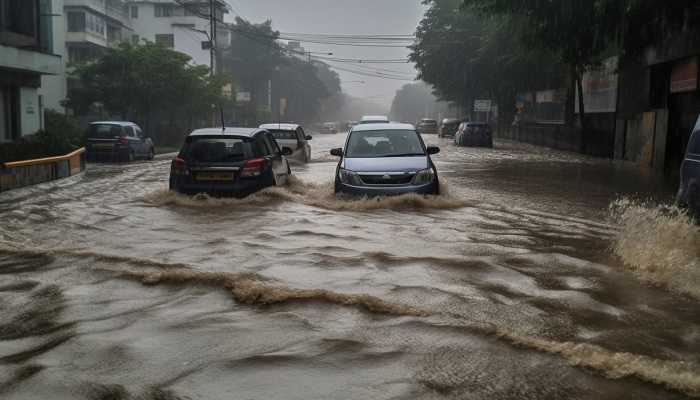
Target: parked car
<point>474,134</point>
<point>428,126</point>
<point>118,141</point>
<point>385,159</point>
<point>292,136</point>
<point>229,162</point>
<point>689,191</point>
<point>329,127</point>
<point>449,127</point>
<point>374,119</point>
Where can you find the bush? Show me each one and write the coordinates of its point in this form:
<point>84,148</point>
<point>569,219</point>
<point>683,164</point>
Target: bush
<point>61,136</point>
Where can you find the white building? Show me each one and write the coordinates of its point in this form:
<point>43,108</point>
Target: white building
<point>25,56</point>
<point>181,25</point>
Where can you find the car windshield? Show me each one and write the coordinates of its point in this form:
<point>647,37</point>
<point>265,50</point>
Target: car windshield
<point>218,150</point>
<point>105,131</point>
<point>384,143</point>
<point>283,135</point>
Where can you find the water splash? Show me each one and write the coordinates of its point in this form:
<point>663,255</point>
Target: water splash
<point>311,194</point>
<point>659,243</point>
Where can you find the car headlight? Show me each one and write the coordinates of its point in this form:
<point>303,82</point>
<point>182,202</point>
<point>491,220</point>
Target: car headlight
<point>349,177</point>
<point>424,177</point>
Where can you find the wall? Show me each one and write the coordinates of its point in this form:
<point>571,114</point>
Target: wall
<point>30,115</point>
<point>53,87</point>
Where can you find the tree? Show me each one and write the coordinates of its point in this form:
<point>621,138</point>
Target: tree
<point>414,101</point>
<point>145,81</point>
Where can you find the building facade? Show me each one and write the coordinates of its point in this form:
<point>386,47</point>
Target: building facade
<point>26,46</point>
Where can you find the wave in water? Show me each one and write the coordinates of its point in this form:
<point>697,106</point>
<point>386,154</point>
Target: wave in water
<point>658,243</point>
<point>316,195</point>
<point>252,289</point>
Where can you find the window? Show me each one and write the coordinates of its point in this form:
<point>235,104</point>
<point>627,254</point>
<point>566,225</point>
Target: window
<point>192,10</point>
<point>76,22</point>
<point>164,10</point>
<point>20,17</point>
<point>216,149</point>
<point>694,145</point>
<point>134,12</point>
<point>384,143</point>
<point>135,39</point>
<point>166,40</point>
<point>272,143</point>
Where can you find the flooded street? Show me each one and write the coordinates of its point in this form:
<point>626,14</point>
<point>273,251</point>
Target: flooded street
<point>515,284</point>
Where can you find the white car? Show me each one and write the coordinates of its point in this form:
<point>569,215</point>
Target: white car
<point>374,119</point>
<point>292,136</point>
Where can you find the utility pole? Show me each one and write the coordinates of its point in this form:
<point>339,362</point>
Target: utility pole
<point>212,37</point>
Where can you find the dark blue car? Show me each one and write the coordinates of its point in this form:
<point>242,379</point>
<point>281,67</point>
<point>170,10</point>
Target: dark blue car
<point>689,192</point>
<point>385,159</point>
<point>229,162</point>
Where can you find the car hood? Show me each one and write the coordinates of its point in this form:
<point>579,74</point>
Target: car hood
<point>386,164</point>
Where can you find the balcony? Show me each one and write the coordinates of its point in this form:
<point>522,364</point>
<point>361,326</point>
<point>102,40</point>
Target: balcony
<point>29,61</point>
<point>113,9</point>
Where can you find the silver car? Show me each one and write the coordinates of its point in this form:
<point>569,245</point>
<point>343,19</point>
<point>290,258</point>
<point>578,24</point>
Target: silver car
<point>293,137</point>
<point>385,159</point>
<point>689,190</point>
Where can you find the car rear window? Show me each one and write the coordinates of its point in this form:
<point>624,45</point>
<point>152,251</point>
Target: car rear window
<point>283,135</point>
<point>105,131</point>
<point>219,149</point>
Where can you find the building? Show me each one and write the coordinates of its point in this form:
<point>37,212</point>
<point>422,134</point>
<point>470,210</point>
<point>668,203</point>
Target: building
<point>182,25</point>
<point>25,56</point>
<point>93,26</point>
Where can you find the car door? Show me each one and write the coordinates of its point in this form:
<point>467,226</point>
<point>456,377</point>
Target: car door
<point>133,141</point>
<point>280,168</point>
<point>144,142</point>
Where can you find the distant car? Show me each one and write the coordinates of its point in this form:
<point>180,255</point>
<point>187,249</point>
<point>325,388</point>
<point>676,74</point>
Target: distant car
<point>118,141</point>
<point>428,126</point>
<point>689,191</point>
<point>329,128</point>
<point>232,162</point>
<point>385,159</point>
<point>474,134</point>
<point>292,136</point>
<point>449,127</point>
<point>374,119</point>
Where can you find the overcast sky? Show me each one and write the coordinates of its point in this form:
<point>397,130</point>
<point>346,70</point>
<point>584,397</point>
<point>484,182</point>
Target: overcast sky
<point>356,17</point>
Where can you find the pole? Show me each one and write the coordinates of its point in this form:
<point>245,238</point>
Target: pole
<point>212,37</point>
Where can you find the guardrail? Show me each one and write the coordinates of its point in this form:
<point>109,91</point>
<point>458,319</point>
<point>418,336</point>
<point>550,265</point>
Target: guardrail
<point>19,174</point>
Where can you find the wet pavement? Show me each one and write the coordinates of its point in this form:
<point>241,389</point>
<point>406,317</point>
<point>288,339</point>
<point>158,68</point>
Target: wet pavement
<point>520,282</point>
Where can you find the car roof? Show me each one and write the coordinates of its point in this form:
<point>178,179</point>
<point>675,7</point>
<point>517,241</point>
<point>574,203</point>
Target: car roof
<point>122,123</point>
<point>375,118</point>
<point>384,127</point>
<point>229,131</point>
<point>280,127</point>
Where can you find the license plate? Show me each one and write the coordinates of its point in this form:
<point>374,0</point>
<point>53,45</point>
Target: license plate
<point>214,176</point>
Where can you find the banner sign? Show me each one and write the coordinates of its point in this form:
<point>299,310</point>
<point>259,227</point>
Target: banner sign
<point>600,88</point>
<point>482,105</point>
<point>684,76</point>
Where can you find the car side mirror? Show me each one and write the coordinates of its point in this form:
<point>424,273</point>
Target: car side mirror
<point>433,150</point>
<point>309,137</point>
<point>286,151</point>
<point>337,152</point>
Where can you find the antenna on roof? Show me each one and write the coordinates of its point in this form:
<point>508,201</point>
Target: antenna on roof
<point>223,123</point>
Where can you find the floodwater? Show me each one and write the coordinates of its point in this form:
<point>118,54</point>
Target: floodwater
<point>537,275</point>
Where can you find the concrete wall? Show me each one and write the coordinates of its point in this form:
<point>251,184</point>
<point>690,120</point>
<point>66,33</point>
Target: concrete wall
<point>30,117</point>
<point>53,87</point>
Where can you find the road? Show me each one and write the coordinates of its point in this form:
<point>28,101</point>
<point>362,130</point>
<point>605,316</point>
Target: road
<point>517,283</point>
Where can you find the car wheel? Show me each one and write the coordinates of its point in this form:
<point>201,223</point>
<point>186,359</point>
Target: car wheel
<point>152,154</point>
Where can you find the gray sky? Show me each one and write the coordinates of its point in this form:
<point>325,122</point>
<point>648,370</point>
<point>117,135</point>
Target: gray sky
<point>355,17</point>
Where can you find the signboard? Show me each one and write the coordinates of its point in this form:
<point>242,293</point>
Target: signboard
<point>684,76</point>
<point>243,97</point>
<point>482,105</point>
<point>600,88</point>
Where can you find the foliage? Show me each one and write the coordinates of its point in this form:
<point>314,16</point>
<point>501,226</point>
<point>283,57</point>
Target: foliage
<point>60,136</point>
<point>415,101</point>
<point>465,56</point>
<point>145,82</point>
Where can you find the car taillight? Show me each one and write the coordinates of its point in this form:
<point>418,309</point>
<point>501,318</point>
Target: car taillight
<point>178,165</point>
<point>253,168</point>
<point>123,140</point>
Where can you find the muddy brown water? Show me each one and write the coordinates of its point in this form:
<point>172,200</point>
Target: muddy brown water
<point>515,284</point>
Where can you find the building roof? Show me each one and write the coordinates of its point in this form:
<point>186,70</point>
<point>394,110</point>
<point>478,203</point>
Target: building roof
<point>393,126</point>
<point>230,131</point>
<point>280,127</point>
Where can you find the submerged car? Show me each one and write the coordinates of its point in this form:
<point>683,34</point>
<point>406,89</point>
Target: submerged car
<point>428,126</point>
<point>118,141</point>
<point>229,162</point>
<point>374,119</point>
<point>292,136</point>
<point>449,127</point>
<point>689,191</point>
<point>385,159</point>
<point>474,134</point>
